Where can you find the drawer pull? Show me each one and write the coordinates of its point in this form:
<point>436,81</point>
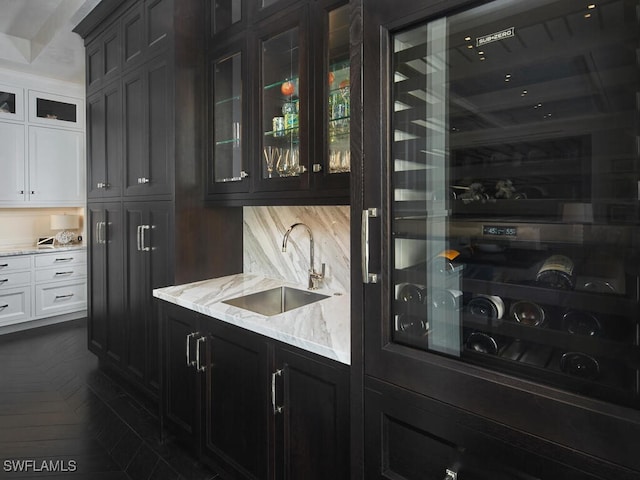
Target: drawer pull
<point>64,273</point>
<point>4,265</point>
<point>68,295</point>
<point>4,280</point>
<point>4,306</point>
<point>63,259</point>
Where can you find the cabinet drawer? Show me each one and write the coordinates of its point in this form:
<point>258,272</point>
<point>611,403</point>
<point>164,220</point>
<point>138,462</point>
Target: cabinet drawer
<point>60,274</point>
<point>14,279</point>
<point>15,305</point>
<point>19,262</point>
<point>73,257</point>
<point>52,299</point>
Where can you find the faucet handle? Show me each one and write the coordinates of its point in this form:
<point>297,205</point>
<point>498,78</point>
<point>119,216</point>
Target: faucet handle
<point>316,277</point>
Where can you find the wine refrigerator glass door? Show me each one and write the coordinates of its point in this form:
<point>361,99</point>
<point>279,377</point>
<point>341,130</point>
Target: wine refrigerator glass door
<point>514,192</point>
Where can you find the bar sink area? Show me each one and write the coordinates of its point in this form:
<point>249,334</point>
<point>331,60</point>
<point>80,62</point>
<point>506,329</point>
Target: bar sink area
<point>275,300</point>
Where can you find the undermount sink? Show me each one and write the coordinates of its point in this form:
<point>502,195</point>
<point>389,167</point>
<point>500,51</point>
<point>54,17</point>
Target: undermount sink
<point>276,300</point>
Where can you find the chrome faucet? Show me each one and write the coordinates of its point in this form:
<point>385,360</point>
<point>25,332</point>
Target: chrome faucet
<point>314,277</point>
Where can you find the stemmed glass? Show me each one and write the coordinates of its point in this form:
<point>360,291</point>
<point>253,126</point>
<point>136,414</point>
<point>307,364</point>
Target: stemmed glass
<point>271,157</point>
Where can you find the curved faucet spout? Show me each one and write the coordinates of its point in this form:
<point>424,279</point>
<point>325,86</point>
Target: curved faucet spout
<point>313,275</point>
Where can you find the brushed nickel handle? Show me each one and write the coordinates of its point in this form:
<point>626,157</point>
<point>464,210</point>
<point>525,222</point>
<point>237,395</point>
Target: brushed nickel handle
<point>4,265</point>
<point>68,295</point>
<point>68,259</point>
<point>4,306</point>
<point>199,367</point>
<point>190,363</point>
<point>367,277</point>
<point>276,408</point>
<point>450,475</point>
<point>143,229</point>
<point>64,273</point>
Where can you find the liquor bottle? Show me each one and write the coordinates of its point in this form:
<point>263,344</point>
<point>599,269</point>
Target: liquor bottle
<point>557,271</point>
<point>290,114</point>
<point>578,364</point>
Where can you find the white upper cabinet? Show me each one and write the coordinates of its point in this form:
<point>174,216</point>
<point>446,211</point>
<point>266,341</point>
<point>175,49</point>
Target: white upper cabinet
<point>42,150</point>
<point>12,161</point>
<point>56,166</point>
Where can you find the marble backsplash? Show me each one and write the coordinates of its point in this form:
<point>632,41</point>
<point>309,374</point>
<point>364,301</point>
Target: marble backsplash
<point>264,229</point>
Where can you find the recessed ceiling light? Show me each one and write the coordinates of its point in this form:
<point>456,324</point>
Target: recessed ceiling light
<point>482,58</point>
<point>480,53</point>
<point>587,15</point>
<point>508,75</point>
<point>468,39</point>
<point>469,46</point>
<point>592,6</point>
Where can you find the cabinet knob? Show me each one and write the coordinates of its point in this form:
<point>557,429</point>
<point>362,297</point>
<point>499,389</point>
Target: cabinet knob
<point>21,192</point>
<point>143,180</point>
<point>243,174</point>
<point>33,192</point>
<point>317,167</point>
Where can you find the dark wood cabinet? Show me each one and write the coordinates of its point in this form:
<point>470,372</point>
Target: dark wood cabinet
<point>278,136</point>
<point>181,385</point>
<point>146,155</point>
<point>311,405</point>
<point>236,409</point>
<point>411,437</point>
<point>104,145</point>
<point>103,60</point>
<point>106,303</point>
<point>261,409</point>
<point>147,123</point>
<point>148,245</point>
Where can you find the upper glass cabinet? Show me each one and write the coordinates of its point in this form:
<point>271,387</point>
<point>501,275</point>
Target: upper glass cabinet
<point>284,95</point>
<point>515,192</point>
<point>11,103</point>
<point>57,110</point>
<point>228,159</point>
<point>338,154</point>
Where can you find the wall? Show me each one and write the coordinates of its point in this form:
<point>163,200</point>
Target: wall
<point>264,229</point>
<point>21,226</point>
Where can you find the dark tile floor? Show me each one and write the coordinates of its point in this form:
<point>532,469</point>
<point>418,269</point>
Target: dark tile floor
<point>71,420</point>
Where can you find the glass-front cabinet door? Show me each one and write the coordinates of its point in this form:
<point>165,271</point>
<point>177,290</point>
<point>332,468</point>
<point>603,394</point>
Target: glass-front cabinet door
<point>331,163</point>
<point>513,194</point>
<point>284,106</point>
<point>228,172</point>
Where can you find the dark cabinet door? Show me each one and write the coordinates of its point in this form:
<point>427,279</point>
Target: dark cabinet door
<point>148,260</point>
<point>103,58</point>
<point>310,401</point>
<point>180,380</point>
<point>148,144</point>
<point>237,401</point>
<point>411,437</point>
<point>106,293</point>
<point>104,169</point>
<point>159,24</point>
<point>133,37</point>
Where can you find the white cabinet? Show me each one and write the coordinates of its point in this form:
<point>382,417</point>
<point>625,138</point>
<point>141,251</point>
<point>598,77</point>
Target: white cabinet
<point>15,289</point>
<point>12,163</point>
<point>43,285</point>
<point>42,156</point>
<point>56,166</point>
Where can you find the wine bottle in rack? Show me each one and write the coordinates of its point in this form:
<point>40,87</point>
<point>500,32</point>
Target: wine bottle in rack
<point>578,364</point>
<point>578,322</point>
<point>483,342</point>
<point>557,271</point>
<point>487,307</point>
<point>527,313</point>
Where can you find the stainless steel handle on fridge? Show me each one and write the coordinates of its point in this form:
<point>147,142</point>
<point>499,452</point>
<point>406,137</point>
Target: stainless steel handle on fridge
<point>190,363</point>
<point>144,228</point>
<point>276,409</point>
<point>200,368</point>
<point>364,243</point>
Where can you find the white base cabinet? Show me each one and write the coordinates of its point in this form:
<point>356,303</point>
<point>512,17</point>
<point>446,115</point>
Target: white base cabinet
<point>42,285</point>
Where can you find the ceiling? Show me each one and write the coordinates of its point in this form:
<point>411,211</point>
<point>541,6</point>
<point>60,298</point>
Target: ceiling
<point>36,37</point>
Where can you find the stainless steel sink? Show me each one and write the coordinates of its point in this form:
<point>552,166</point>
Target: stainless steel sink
<point>276,300</point>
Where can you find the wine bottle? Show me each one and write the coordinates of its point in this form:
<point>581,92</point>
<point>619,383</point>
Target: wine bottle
<point>527,313</point>
<point>581,323</point>
<point>483,343</point>
<point>488,307</point>
<point>557,271</point>
<point>579,364</point>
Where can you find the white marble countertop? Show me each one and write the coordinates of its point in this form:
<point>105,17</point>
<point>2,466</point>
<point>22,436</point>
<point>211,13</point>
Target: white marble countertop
<point>7,251</point>
<point>323,327</point>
